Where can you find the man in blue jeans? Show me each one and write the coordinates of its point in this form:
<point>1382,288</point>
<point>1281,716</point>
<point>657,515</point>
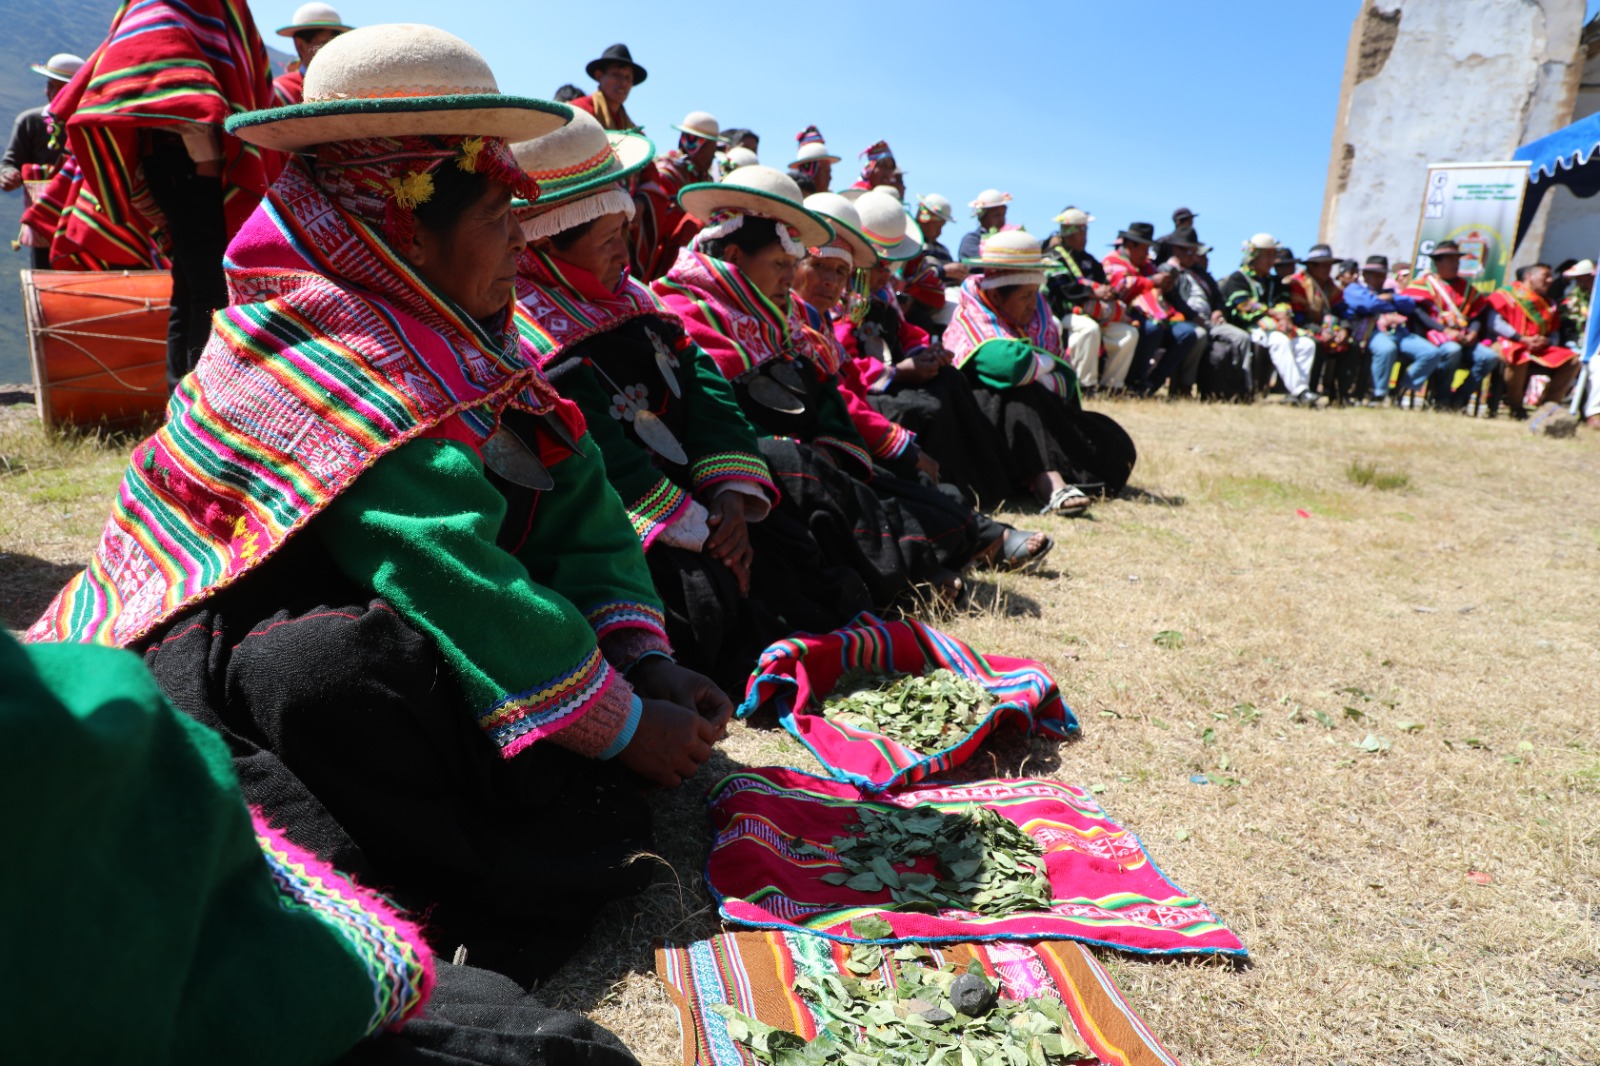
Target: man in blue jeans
<point>1451,313</point>
<point>1380,319</point>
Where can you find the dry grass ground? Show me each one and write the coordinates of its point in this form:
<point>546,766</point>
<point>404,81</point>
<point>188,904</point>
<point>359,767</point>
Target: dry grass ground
<point>1451,621</point>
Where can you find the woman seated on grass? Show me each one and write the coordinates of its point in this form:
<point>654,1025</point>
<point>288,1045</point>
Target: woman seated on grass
<point>1003,336</point>
<point>732,291</point>
<point>373,545</point>
<point>821,283</point>
<point>734,577</point>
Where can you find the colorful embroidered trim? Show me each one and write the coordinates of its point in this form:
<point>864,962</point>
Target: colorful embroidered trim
<point>732,466</point>
<point>521,719</point>
<point>975,322</point>
<point>652,513</point>
<point>391,948</point>
<point>618,615</point>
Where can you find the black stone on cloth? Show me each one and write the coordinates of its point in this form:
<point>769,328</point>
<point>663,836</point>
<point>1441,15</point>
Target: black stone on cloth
<point>482,1018</point>
<point>951,427</point>
<point>347,729</point>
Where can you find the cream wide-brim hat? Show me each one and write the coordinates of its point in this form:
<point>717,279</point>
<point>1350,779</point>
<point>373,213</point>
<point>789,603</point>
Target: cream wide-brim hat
<point>990,198</point>
<point>1008,251</point>
<point>814,153</point>
<point>1579,269</point>
<point>59,67</point>
<point>701,124</point>
<point>313,17</point>
<point>937,206</point>
<point>846,222</point>
<point>762,192</point>
<point>398,80</point>
<point>884,221</point>
<point>580,158</point>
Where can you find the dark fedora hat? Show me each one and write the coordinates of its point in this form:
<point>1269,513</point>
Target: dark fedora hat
<point>1376,262</point>
<point>1139,232</point>
<point>1445,248</point>
<point>1286,254</point>
<point>1320,253</point>
<point>617,53</point>
<point>1183,212</point>
<point>1184,237</point>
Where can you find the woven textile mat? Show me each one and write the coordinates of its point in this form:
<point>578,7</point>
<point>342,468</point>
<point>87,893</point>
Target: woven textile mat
<point>754,973</point>
<point>796,675</point>
<point>1106,888</point>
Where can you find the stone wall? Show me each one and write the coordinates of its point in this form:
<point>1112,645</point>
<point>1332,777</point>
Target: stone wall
<point>1441,81</point>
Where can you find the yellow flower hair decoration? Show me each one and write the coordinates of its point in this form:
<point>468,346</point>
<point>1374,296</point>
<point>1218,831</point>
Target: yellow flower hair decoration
<point>413,189</point>
<point>468,160</point>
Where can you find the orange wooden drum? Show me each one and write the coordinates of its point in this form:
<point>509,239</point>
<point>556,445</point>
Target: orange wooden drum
<point>98,342</point>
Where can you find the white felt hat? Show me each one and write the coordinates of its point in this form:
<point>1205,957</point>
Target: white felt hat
<point>762,192</point>
<point>739,156</point>
<point>888,227</point>
<point>1072,216</point>
<point>395,81</point>
<point>937,206</point>
<point>1262,242</point>
<point>815,152</point>
<point>1007,251</point>
<point>578,168</point>
<point>989,198</point>
<point>1579,269</point>
<point>846,222</point>
<point>701,124</point>
<point>61,66</point>
<point>314,16</point>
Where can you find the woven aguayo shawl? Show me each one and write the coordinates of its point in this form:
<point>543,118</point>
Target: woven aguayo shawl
<point>332,354</point>
<point>558,308</point>
<point>727,316</point>
<point>798,674</point>
<point>164,64</point>
<point>1105,888</point>
<point>160,918</point>
<point>755,974</point>
<point>975,323</point>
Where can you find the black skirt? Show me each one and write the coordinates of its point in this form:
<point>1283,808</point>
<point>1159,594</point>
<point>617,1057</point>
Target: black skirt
<point>952,428</point>
<point>892,532</point>
<point>348,731</point>
<point>1044,431</point>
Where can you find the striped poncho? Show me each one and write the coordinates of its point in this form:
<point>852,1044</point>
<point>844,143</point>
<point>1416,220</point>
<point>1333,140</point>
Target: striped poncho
<point>332,355</point>
<point>1002,356</point>
<point>164,64</point>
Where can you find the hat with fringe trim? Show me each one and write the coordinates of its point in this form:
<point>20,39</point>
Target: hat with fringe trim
<point>313,16</point>
<point>885,223</point>
<point>846,222</point>
<point>578,168</point>
<point>398,80</point>
<point>760,192</point>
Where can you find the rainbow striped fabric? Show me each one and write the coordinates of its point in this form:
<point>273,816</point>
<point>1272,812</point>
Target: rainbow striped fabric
<point>797,674</point>
<point>728,317</point>
<point>390,948</point>
<point>1106,889</point>
<point>164,64</point>
<point>975,323</point>
<point>305,383</point>
<point>755,974</point>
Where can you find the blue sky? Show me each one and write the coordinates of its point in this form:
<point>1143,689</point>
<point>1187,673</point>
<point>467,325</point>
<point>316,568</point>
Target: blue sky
<point>1127,109</point>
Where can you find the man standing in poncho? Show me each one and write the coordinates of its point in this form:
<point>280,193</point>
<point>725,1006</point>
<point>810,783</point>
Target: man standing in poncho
<point>150,175</point>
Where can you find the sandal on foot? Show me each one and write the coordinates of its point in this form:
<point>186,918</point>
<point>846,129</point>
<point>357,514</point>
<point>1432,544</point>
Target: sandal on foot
<point>1013,553</point>
<point>1067,501</point>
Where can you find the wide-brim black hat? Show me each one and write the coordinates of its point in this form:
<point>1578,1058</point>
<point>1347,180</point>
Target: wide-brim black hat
<point>1141,232</point>
<point>1445,248</point>
<point>1376,262</point>
<point>617,53</point>
<point>1320,253</point>
<point>1112,454</point>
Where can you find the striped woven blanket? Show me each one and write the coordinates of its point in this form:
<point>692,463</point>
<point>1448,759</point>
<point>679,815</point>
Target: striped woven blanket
<point>755,974</point>
<point>1105,889</point>
<point>797,674</point>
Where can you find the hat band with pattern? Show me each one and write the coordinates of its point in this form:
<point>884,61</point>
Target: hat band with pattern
<point>552,183</point>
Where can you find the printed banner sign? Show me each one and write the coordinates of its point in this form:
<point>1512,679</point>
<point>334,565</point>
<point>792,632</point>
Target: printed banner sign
<point>1476,205</point>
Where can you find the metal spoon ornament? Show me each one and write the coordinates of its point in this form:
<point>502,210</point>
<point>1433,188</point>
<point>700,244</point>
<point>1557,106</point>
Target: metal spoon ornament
<point>768,393</point>
<point>658,438</point>
<point>786,375</point>
<point>666,362</point>
<point>507,454</point>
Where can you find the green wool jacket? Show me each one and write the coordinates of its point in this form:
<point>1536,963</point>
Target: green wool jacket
<point>150,915</point>
<point>427,530</point>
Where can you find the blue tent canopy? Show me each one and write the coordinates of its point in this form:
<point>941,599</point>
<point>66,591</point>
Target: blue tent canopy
<point>1570,156</point>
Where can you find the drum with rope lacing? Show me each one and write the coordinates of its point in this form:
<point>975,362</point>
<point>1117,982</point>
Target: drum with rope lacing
<point>98,342</point>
